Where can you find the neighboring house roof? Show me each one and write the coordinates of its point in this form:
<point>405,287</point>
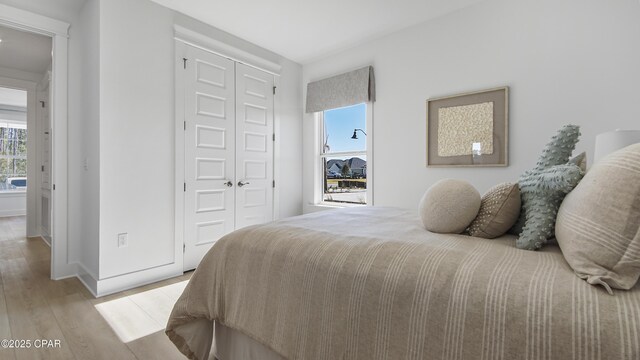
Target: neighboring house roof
<point>354,163</point>
<point>335,168</point>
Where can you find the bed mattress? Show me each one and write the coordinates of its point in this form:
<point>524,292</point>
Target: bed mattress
<point>371,283</point>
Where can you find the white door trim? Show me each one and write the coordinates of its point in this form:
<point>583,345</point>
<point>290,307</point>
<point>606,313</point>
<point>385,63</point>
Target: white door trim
<point>180,52</point>
<point>220,48</point>
<point>59,32</point>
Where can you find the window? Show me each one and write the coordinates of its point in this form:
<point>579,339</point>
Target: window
<point>13,156</point>
<point>343,155</point>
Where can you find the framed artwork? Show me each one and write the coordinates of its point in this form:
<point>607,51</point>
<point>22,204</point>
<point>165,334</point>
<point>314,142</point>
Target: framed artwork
<point>469,129</point>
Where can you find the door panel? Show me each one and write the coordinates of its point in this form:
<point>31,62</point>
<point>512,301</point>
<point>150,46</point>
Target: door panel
<point>254,146</point>
<point>209,152</point>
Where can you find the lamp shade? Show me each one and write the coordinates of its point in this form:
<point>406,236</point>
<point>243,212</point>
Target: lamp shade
<point>611,141</point>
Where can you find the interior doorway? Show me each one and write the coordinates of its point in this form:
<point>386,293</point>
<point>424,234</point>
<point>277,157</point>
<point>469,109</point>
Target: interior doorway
<point>25,127</point>
<point>58,34</point>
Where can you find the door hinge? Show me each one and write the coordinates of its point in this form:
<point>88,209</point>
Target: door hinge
<point>185,187</point>
<point>184,248</point>
<point>184,62</point>
<point>274,137</point>
<point>274,183</point>
<point>42,103</point>
<point>185,125</point>
<point>274,90</point>
<point>54,186</point>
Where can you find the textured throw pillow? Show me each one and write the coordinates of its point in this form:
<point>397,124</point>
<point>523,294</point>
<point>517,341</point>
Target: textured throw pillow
<point>449,206</point>
<point>580,160</point>
<point>598,226</point>
<point>499,210</point>
<point>543,188</point>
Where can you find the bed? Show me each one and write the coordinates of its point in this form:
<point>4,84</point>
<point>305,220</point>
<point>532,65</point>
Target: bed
<point>371,283</point>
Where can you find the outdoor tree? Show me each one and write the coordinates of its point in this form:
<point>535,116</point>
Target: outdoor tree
<point>346,170</point>
<point>13,153</point>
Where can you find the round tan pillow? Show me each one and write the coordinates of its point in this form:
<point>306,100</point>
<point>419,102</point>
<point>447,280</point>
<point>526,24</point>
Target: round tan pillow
<point>449,206</point>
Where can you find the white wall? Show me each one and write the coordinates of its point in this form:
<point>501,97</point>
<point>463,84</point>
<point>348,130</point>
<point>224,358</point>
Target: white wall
<point>13,203</point>
<point>136,136</point>
<point>137,132</point>
<point>84,185</point>
<point>573,61</point>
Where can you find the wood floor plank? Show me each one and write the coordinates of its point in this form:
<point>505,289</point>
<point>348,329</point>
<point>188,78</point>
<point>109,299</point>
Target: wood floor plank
<point>32,306</point>
<point>89,336</point>
<point>53,288</point>
<point>35,249</point>
<point>5,328</point>
<point>30,316</point>
<point>155,346</point>
<point>10,250</point>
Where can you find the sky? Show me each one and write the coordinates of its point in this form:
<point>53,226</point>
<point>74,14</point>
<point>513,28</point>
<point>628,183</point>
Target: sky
<point>339,125</point>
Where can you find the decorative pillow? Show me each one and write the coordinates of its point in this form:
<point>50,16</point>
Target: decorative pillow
<point>580,160</point>
<point>543,188</point>
<point>598,226</point>
<point>449,206</point>
<point>499,210</point>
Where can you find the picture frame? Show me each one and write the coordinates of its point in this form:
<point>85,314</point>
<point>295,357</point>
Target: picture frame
<point>469,129</point>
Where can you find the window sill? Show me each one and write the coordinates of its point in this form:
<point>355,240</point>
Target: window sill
<point>338,205</point>
<point>314,207</point>
<point>12,193</point>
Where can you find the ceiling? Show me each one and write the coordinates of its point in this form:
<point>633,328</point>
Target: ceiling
<point>65,10</point>
<point>305,30</point>
<point>24,51</point>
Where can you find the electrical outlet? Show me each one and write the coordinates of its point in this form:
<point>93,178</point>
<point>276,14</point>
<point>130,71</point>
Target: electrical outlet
<point>123,240</point>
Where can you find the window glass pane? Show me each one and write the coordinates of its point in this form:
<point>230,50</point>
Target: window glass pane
<point>345,179</point>
<point>13,158</point>
<point>339,125</point>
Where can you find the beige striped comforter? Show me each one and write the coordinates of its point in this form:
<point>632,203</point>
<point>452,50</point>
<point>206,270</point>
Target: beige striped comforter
<point>371,283</point>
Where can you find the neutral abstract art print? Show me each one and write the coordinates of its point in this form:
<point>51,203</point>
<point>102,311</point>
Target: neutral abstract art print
<point>468,129</point>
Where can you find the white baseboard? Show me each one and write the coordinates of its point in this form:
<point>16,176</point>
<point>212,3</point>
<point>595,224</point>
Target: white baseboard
<point>132,280</point>
<point>88,279</point>
<point>46,239</point>
<point>99,288</point>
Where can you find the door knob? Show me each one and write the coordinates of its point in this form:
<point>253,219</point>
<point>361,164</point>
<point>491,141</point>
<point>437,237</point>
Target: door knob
<point>242,183</point>
<point>229,183</point>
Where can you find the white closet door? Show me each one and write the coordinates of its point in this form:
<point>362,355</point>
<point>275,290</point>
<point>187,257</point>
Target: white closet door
<point>254,146</point>
<point>209,152</point>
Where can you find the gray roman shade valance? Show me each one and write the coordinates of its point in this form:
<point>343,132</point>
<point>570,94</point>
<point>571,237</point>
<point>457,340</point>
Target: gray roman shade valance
<point>346,89</point>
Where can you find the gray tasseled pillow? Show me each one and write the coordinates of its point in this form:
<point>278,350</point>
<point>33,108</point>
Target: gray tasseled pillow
<point>544,187</point>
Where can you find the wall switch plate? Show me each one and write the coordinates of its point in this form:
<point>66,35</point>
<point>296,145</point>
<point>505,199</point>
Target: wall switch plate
<point>123,240</point>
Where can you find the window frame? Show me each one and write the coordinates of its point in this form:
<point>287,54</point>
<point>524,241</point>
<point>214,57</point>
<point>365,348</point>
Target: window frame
<point>319,156</point>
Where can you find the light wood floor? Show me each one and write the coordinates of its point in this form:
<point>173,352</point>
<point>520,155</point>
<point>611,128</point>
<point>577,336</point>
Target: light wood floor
<point>34,307</point>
